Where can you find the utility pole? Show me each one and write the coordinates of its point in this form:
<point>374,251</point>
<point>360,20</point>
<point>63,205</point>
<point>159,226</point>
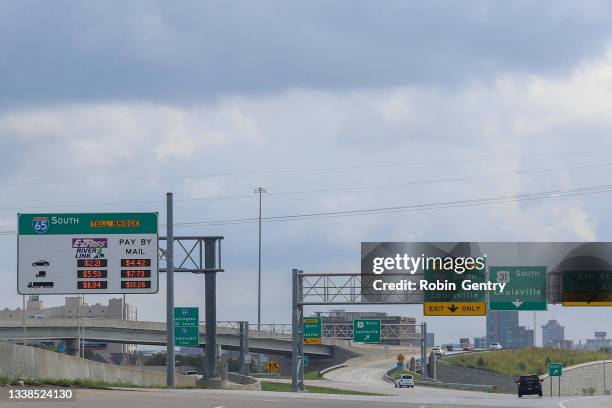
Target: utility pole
<point>259,190</point>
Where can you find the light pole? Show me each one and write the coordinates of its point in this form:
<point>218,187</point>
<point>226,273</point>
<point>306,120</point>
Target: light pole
<point>259,190</point>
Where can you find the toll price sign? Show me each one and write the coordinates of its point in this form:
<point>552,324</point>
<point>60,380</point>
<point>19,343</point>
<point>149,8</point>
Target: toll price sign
<point>87,253</point>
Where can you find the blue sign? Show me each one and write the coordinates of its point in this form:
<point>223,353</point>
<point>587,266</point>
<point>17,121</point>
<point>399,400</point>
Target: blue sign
<point>61,348</point>
<point>40,224</point>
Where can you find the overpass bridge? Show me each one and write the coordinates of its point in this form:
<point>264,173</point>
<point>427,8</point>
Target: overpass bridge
<point>147,333</point>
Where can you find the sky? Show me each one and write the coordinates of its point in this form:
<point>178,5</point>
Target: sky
<point>330,106</point>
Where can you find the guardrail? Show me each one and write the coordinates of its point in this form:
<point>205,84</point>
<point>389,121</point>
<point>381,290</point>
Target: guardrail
<point>328,369</point>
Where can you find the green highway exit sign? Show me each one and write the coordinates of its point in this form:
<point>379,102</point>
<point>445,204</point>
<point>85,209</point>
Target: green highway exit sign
<point>555,369</point>
<point>525,288</point>
<point>186,326</point>
<point>366,331</point>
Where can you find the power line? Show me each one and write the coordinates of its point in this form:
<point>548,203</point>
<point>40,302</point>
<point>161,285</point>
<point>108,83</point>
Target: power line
<point>307,170</point>
<point>413,207</point>
<point>403,208</point>
<point>324,190</point>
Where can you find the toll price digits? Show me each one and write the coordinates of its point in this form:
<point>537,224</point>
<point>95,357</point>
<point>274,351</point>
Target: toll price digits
<point>136,263</point>
<point>135,284</point>
<point>135,273</point>
<point>92,285</point>
<point>92,263</point>
<point>92,273</point>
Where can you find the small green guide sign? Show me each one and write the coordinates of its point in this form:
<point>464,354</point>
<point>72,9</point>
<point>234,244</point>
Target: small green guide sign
<point>555,369</point>
<point>312,330</point>
<point>366,331</point>
<point>525,288</point>
<point>186,326</point>
<point>305,361</point>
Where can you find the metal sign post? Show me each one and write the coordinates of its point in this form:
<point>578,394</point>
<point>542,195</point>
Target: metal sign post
<point>169,292</point>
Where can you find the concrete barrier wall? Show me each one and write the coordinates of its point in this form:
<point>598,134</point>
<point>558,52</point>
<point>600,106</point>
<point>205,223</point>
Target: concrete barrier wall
<point>20,361</point>
<point>456,374</point>
<point>596,375</point>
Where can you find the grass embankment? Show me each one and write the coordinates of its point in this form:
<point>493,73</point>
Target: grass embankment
<point>524,361</point>
<point>286,387</point>
<point>398,371</point>
<point>313,375</point>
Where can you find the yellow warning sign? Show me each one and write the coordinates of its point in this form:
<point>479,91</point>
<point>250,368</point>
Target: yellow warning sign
<point>454,308</point>
<point>400,357</point>
<point>271,366</point>
<point>313,340</point>
<point>595,303</point>
<point>587,299</point>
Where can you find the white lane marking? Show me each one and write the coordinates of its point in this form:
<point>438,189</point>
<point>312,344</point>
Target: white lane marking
<point>220,406</point>
<point>562,403</point>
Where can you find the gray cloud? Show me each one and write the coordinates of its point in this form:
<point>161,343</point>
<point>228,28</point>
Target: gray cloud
<point>193,50</point>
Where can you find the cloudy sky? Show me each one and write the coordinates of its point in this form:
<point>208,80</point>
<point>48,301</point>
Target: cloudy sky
<point>331,106</point>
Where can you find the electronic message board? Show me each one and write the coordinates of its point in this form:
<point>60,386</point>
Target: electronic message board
<point>87,253</point>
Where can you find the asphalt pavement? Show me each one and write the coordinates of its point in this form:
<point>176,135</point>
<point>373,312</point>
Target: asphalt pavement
<point>254,399</point>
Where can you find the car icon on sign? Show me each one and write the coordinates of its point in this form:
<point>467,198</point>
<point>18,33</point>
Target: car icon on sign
<point>40,263</point>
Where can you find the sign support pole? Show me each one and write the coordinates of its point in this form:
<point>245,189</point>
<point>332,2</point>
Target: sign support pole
<point>169,292</point>
<point>210,304</point>
<point>244,348</point>
<point>297,330</point>
<point>23,317</point>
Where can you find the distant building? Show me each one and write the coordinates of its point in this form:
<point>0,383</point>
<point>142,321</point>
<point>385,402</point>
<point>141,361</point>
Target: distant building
<point>480,342</point>
<point>599,342</point>
<point>518,337</point>
<point>503,327</point>
<point>74,308</point>
<point>553,334</point>
<point>498,322</point>
<point>568,344</point>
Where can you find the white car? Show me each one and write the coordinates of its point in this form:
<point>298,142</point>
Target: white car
<point>495,346</point>
<point>404,380</point>
<point>437,350</point>
<point>194,374</point>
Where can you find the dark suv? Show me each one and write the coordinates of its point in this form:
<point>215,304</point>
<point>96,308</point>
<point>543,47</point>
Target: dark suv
<point>529,385</point>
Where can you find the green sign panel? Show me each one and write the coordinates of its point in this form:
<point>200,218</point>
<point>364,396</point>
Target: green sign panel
<point>312,327</point>
<point>525,288</point>
<point>186,326</point>
<point>454,280</point>
<point>305,361</point>
<point>87,223</point>
<point>555,369</point>
<point>587,288</point>
<point>366,331</point>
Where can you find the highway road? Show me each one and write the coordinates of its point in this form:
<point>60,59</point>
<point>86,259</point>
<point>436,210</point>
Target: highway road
<point>253,399</point>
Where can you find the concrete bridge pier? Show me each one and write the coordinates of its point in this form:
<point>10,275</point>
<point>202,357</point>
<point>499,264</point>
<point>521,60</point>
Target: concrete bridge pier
<point>72,347</point>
